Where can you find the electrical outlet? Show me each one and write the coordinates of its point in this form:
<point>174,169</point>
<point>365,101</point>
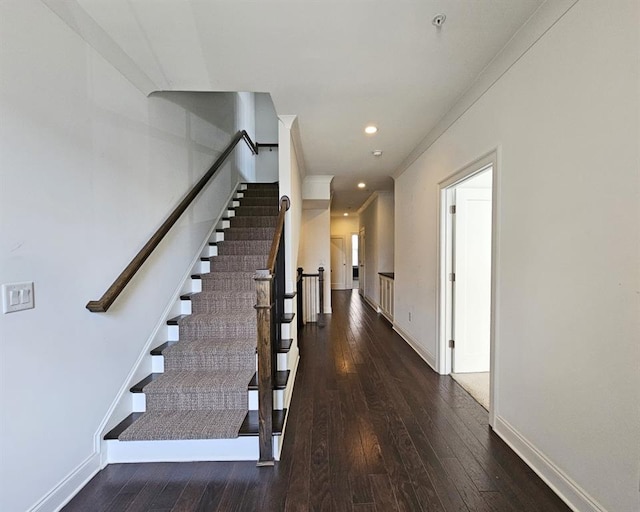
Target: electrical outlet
<point>17,297</point>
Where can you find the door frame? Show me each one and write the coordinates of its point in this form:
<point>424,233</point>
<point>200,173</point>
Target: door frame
<point>351,235</point>
<point>443,352</point>
<point>362,235</point>
<point>345,279</point>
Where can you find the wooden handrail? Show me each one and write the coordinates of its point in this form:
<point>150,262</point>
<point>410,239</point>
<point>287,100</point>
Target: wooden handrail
<point>103,304</point>
<point>285,203</point>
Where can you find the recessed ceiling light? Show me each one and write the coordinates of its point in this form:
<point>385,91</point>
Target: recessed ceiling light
<point>345,214</point>
<point>370,129</point>
<point>377,152</point>
<point>362,185</point>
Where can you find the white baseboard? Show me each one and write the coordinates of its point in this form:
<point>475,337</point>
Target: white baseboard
<point>62,493</point>
<point>428,357</point>
<point>371,303</point>
<point>569,491</point>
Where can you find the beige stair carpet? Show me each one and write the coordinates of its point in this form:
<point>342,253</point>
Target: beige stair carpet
<point>203,393</point>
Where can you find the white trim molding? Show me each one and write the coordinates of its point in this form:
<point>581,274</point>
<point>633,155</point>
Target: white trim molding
<point>561,483</point>
<point>69,486</point>
<point>428,357</point>
<point>542,20</point>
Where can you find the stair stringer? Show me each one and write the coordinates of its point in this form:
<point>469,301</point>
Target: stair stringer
<point>123,404</point>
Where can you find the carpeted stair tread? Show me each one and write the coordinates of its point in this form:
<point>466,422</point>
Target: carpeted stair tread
<point>183,425</point>
<point>244,247</point>
<point>188,381</point>
<point>259,201</point>
<point>199,318</point>
<point>273,188</point>
<point>231,326</point>
<point>238,262</point>
<point>228,281</point>
<point>249,425</point>
<point>188,390</point>
<point>216,296</point>
<point>268,221</point>
<point>251,192</point>
<point>232,234</point>
<point>210,355</point>
<point>255,211</point>
<point>217,302</point>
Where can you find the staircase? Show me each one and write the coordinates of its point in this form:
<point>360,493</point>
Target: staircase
<point>201,404</point>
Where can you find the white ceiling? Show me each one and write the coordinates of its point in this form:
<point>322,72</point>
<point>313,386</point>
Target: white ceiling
<point>337,64</point>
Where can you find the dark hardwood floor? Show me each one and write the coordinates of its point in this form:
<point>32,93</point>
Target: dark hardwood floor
<point>371,428</point>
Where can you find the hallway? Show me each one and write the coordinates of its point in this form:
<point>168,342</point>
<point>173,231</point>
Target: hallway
<point>371,428</point>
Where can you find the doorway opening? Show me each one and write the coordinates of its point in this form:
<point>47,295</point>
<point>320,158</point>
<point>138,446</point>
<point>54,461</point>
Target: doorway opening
<point>338,263</point>
<point>361,262</point>
<point>466,280</point>
<point>355,270</point>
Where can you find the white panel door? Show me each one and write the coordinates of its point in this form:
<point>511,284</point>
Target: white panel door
<point>338,264</point>
<point>472,286</point>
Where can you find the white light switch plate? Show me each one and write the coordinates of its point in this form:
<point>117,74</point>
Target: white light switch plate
<point>17,297</point>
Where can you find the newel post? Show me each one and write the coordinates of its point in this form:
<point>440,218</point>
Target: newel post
<point>299,302</point>
<point>321,296</point>
<point>264,307</point>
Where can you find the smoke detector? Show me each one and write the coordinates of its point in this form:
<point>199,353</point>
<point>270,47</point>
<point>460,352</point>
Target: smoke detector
<point>438,20</point>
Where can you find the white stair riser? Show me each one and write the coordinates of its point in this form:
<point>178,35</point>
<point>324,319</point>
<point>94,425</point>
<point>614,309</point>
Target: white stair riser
<point>278,399</point>
<point>139,402</point>
<point>285,330</point>
<point>241,448</point>
<point>157,364</point>
<point>173,332</point>
<point>210,251</point>
<point>285,361</point>
<point>185,307</point>
<point>289,305</point>
<point>282,361</point>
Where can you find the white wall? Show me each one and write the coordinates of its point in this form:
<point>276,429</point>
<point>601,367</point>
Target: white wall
<point>315,247</point>
<point>89,168</point>
<point>386,228</point>
<point>565,121</point>
<point>369,221</point>
<point>344,227</point>
<point>246,120</point>
<point>266,132</point>
<point>290,177</point>
<point>377,218</point>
